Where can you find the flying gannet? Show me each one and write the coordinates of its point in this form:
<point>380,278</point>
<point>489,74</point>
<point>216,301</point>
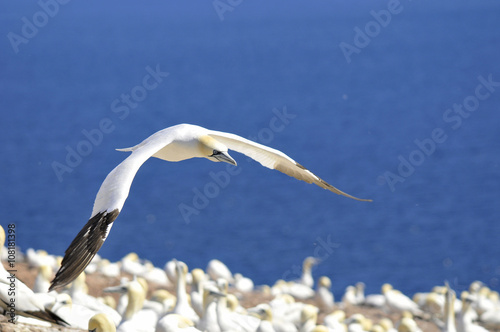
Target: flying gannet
<point>175,143</point>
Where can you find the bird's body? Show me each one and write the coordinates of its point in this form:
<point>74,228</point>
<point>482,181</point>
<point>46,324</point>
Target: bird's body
<point>398,302</point>
<point>324,296</point>
<point>175,143</point>
<point>27,303</point>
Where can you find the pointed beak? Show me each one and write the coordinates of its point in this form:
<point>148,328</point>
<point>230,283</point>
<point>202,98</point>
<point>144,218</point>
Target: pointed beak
<point>116,289</point>
<point>225,157</point>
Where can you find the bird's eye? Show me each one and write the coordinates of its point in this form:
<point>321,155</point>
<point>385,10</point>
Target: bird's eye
<point>215,152</point>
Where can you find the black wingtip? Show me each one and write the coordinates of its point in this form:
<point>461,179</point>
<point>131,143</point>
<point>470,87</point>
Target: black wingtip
<point>47,316</point>
<point>83,248</point>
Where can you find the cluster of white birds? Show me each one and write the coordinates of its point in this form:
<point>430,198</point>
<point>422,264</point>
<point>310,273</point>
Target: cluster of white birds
<point>210,301</point>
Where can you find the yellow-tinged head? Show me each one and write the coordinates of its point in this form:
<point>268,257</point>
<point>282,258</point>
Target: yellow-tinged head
<point>309,312</point>
<point>101,323</point>
<point>386,288</point>
<point>324,281</point>
<point>214,150</point>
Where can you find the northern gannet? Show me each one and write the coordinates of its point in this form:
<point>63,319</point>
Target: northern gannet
<point>209,320</point>
<point>335,321</point>
<point>358,323</point>
<point>175,323</point>
<point>135,317</point>
<point>307,278</point>
<point>101,323</point>
<point>182,306</point>
<point>398,302</point>
<point>349,297</point>
<point>75,314</point>
<point>408,324</point>
<point>175,143</point>
<point>308,318</point>
<point>264,313</point>
<point>243,284</point>
<point>42,280</point>
<point>232,320</point>
<point>449,311</point>
<point>26,303</point>
<point>324,296</point>
<point>199,278</point>
<point>216,270</point>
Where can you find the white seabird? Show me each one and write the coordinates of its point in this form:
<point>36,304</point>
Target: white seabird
<point>17,299</point>
<point>175,143</point>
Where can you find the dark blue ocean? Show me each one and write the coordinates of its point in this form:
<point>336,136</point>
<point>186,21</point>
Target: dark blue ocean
<point>393,101</point>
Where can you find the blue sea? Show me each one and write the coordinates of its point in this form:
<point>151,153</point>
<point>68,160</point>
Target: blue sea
<point>396,101</point>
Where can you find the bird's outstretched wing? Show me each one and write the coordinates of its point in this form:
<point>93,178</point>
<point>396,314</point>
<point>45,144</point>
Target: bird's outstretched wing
<point>108,204</point>
<point>274,159</point>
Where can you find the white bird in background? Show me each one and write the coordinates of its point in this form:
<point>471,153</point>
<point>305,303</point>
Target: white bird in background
<point>135,318</point>
<point>101,323</point>
<point>398,302</point>
<point>27,304</point>
<point>307,278</point>
<point>182,306</point>
<point>175,143</point>
<point>449,311</point>
<point>323,294</point>
<point>217,270</point>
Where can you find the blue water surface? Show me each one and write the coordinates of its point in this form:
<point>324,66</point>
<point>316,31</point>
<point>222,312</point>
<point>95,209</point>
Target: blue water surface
<point>376,121</point>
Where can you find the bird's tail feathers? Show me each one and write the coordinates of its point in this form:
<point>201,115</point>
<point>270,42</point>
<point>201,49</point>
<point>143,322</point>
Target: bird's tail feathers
<point>131,149</point>
<point>127,149</point>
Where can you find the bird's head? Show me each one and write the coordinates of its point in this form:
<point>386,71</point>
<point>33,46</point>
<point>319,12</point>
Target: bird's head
<point>215,150</point>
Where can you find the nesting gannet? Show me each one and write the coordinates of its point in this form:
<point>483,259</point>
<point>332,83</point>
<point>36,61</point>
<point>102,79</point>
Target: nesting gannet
<point>286,311</point>
<point>131,264</point>
<point>297,290</point>
<point>175,323</point>
<point>277,313</point>
<point>26,303</point>
<point>79,296</point>
<point>449,311</point>
<point>42,280</point>
<point>182,306</point>
<point>76,315</point>
<point>308,318</point>
<point>467,315</point>
<point>108,269</point>
<point>374,300</point>
<point>232,320</point>
<point>408,324</point>
<point>358,323</point>
<point>307,278</point>
<point>101,323</point>
<point>349,297</point>
<point>155,275</point>
<point>198,278</point>
<point>135,317</point>
<point>335,321</point>
<point>217,270</point>
<point>40,257</point>
<point>175,143</point>
<point>387,324</point>
<point>360,292</point>
<point>243,284</point>
<point>209,320</point>
<point>323,294</point>
<point>264,313</point>
<point>161,302</point>
<point>398,302</point>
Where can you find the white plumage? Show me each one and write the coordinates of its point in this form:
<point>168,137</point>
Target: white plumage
<point>175,143</point>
